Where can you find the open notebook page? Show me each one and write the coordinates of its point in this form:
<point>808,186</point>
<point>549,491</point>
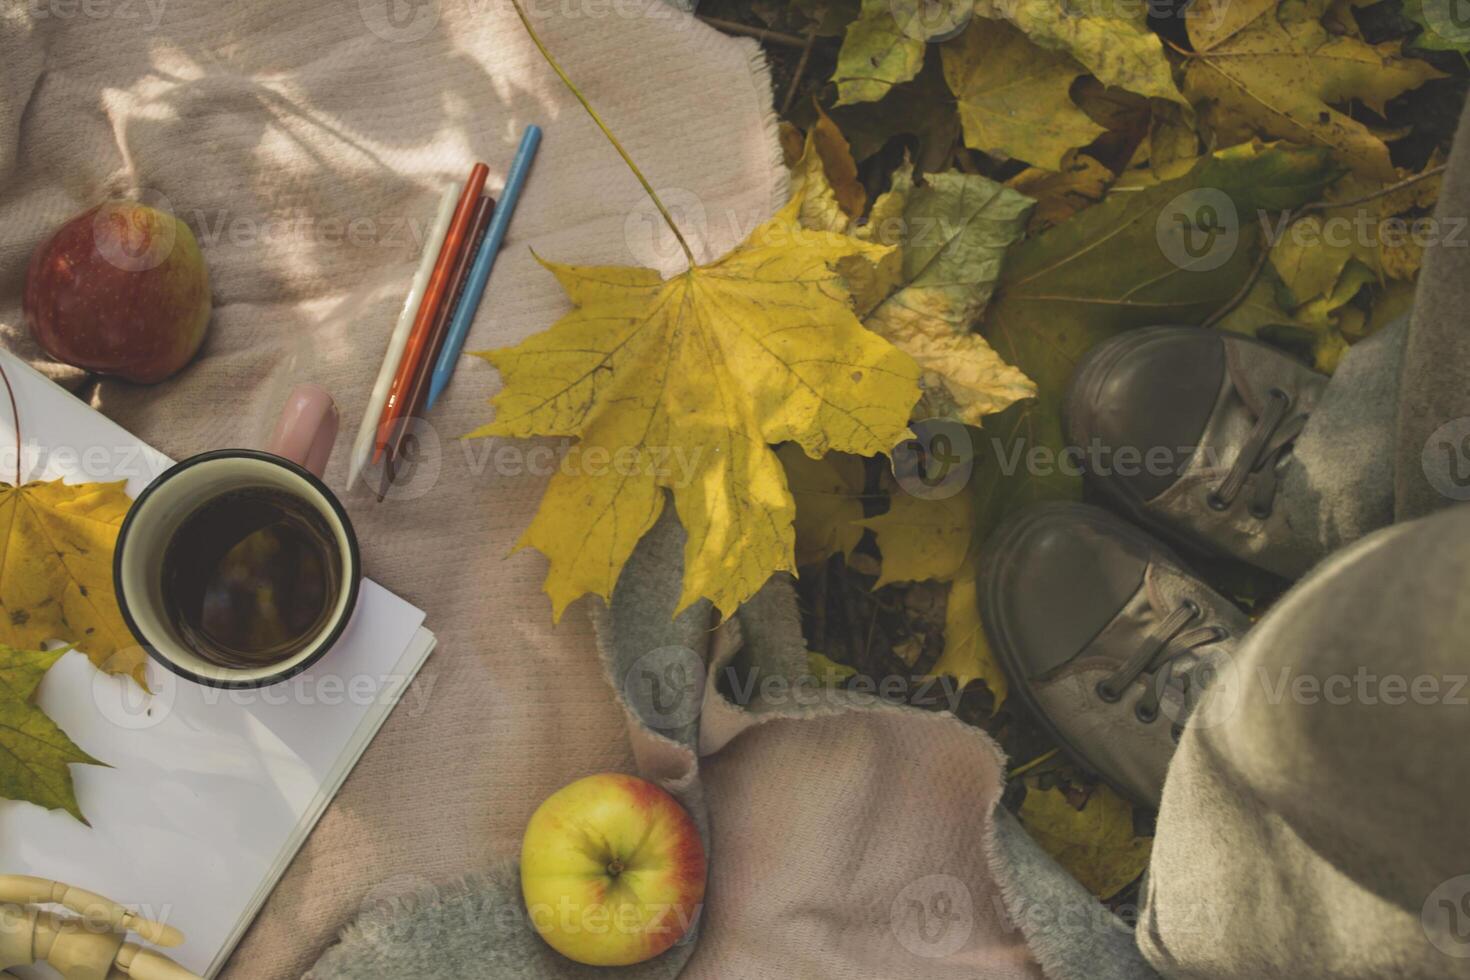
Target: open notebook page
<point>210,792</point>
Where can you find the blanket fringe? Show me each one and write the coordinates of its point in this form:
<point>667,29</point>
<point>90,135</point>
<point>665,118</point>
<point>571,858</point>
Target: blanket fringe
<point>760,74</point>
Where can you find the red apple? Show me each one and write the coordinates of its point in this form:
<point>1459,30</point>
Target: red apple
<point>121,290</point>
<point>612,870</point>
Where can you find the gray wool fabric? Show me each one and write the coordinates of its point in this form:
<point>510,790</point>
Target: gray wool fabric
<point>1072,935</point>
<point>1317,828</point>
<point>1433,404</point>
<point>476,927</point>
<point>1341,483</point>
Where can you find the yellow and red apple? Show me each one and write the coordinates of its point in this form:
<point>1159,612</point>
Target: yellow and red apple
<point>612,870</point>
<point>121,289</point>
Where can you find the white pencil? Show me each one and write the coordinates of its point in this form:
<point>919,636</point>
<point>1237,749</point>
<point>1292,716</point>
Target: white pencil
<point>362,447</point>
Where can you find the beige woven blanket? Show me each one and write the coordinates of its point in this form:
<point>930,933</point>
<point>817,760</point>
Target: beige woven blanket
<point>305,143</point>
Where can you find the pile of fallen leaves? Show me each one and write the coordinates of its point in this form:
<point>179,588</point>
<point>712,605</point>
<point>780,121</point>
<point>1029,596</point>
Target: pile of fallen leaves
<point>982,190</point>
<point>1059,146</point>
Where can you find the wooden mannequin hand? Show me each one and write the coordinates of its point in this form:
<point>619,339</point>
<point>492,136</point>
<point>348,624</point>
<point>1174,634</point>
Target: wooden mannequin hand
<point>141,964</point>
<point>92,947</point>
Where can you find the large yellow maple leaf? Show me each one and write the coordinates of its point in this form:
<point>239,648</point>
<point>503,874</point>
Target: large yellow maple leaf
<point>683,385</point>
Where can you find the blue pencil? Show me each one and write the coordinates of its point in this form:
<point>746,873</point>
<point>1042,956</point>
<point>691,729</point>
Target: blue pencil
<point>474,287</point>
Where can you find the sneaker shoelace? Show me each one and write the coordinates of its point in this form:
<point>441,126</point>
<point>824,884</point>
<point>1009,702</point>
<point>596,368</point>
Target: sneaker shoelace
<point>1263,456</point>
<point>1168,643</point>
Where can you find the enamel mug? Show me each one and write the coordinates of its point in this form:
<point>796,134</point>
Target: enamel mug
<point>292,463</point>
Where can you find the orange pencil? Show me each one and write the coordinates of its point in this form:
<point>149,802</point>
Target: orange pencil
<point>418,337</point>
<point>418,387</point>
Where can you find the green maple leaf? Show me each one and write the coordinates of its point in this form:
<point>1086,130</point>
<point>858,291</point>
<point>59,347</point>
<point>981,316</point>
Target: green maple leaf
<point>34,752</point>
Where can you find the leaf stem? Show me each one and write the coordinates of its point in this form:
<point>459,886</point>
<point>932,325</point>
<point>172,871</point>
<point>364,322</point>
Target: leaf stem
<point>759,33</point>
<point>648,189</point>
<point>1255,272</point>
<point>1023,769</point>
<point>1381,192</point>
<point>798,72</point>
<point>15,414</point>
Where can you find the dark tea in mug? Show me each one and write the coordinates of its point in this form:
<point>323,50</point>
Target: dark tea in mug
<point>251,577</point>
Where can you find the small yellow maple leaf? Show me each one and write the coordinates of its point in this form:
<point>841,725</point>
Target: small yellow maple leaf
<point>1325,316</point>
<point>924,539</point>
<point>1272,69</point>
<point>827,671</point>
<point>1112,41</point>
<point>56,571</point>
<point>1307,266</point>
<point>1014,97</point>
<point>1326,324</point>
<point>829,502</point>
<point>683,385</point>
<point>1096,844</point>
<point>967,655</point>
<point>1311,253</point>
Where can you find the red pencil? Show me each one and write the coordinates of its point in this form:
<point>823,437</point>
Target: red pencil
<point>418,337</point>
<point>418,387</point>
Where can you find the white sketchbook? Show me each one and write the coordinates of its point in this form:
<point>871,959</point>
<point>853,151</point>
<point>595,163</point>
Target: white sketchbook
<point>211,792</point>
